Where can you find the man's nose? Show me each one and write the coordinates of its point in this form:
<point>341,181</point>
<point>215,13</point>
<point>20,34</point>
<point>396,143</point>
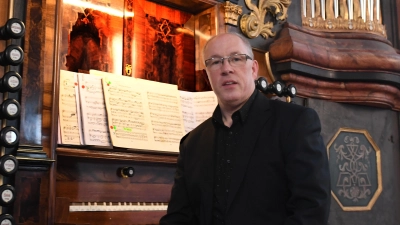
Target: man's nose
<point>226,66</point>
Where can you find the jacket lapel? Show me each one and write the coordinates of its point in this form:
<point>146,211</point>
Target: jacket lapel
<point>258,116</point>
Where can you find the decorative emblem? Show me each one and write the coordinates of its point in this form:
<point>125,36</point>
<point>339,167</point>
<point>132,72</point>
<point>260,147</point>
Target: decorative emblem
<point>253,25</point>
<point>128,69</point>
<point>164,30</point>
<point>355,165</point>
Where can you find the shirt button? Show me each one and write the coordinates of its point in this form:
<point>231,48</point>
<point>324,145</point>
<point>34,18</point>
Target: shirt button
<point>230,132</point>
<point>228,161</point>
<point>227,190</point>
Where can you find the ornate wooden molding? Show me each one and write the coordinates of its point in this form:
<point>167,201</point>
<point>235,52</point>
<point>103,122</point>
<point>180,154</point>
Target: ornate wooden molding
<point>232,13</point>
<point>371,94</point>
<point>355,68</point>
<point>253,25</point>
<point>339,51</point>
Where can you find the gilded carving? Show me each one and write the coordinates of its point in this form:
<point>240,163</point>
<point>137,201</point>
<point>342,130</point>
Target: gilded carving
<point>128,69</point>
<point>354,160</point>
<point>355,169</point>
<point>342,18</point>
<point>253,25</point>
<point>232,13</point>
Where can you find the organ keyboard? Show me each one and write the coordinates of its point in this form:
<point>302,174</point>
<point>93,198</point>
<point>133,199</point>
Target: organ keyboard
<point>89,194</point>
<point>116,206</point>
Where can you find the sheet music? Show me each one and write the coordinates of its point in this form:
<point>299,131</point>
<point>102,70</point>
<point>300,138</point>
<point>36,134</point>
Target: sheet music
<point>204,105</point>
<point>78,111</point>
<point>59,132</point>
<point>166,117</point>
<point>127,113</point>
<point>102,74</point>
<point>93,110</point>
<point>149,84</point>
<point>197,107</point>
<point>142,114</point>
<point>188,116</point>
<point>69,123</point>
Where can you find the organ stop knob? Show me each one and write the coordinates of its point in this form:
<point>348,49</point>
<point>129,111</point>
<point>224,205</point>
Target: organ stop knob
<point>7,195</point>
<point>9,136</point>
<point>10,82</point>
<point>14,28</point>
<point>8,165</point>
<point>127,171</point>
<point>10,109</point>
<point>6,219</point>
<point>12,55</point>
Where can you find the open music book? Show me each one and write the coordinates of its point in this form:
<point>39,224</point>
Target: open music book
<point>106,109</point>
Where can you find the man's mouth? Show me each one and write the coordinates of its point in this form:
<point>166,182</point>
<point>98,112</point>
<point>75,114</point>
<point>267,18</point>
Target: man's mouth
<point>228,83</point>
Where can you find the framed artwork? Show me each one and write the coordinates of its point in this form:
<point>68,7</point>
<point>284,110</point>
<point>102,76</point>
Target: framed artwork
<point>135,38</point>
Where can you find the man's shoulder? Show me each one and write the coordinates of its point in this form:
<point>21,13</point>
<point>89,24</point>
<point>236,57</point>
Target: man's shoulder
<point>279,104</point>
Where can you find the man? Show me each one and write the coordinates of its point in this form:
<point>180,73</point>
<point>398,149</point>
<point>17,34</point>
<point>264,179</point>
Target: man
<point>256,161</point>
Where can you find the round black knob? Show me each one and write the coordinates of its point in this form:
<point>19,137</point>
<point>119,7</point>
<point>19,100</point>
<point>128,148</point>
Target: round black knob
<point>9,136</point>
<point>127,171</point>
<point>7,195</point>
<point>14,28</point>
<point>13,55</point>
<point>262,84</point>
<point>6,219</point>
<point>10,82</point>
<point>276,88</point>
<point>290,91</point>
<point>10,109</point>
<point>8,165</point>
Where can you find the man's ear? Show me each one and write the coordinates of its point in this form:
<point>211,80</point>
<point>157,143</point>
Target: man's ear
<point>205,77</point>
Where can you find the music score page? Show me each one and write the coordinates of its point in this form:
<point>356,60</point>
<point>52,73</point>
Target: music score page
<point>70,128</point>
<point>93,110</point>
<point>142,114</point>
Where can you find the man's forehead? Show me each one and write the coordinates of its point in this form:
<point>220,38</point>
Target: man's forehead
<point>224,47</point>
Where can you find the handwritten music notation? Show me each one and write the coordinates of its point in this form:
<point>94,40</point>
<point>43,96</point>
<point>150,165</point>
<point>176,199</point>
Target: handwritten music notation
<point>70,131</point>
<point>127,112</point>
<point>197,107</point>
<point>166,116</point>
<point>127,118</point>
<point>93,110</point>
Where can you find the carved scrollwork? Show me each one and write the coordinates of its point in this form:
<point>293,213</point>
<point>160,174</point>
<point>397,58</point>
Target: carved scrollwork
<point>253,25</point>
<point>232,13</point>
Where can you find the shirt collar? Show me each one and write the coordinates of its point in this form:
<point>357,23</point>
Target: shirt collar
<point>242,112</point>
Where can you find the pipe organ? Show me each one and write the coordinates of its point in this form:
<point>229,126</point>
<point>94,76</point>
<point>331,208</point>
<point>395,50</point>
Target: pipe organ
<point>339,57</point>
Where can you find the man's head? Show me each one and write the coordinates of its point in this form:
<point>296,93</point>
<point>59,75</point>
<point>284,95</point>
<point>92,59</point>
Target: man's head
<point>231,78</point>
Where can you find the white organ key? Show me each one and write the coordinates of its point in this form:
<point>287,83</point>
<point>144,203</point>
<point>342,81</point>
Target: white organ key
<point>116,206</point>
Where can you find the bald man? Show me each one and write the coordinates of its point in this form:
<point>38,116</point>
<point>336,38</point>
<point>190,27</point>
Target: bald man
<point>255,161</point>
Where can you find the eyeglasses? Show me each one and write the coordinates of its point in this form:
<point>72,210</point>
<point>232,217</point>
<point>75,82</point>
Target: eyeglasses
<point>235,60</point>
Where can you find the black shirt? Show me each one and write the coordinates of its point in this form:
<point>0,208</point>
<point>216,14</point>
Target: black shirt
<point>227,144</point>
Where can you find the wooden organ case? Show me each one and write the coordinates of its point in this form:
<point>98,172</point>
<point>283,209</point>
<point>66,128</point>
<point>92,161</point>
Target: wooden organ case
<point>75,184</point>
<point>65,184</point>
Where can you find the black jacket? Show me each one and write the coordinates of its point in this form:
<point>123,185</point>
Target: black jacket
<point>281,175</point>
